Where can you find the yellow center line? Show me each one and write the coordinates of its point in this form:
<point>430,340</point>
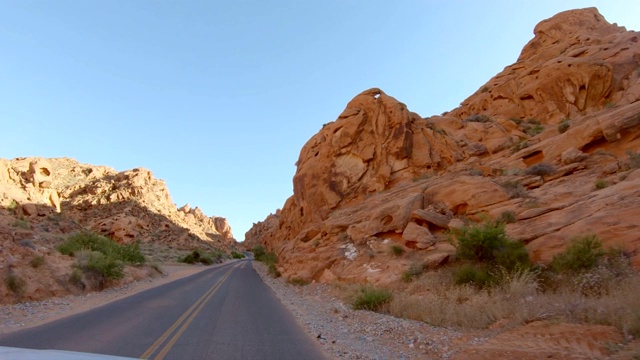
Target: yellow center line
<point>205,297</point>
<point>186,324</point>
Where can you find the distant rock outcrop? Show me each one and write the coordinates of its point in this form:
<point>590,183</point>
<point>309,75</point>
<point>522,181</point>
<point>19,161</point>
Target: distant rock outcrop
<point>44,200</point>
<point>533,141</point>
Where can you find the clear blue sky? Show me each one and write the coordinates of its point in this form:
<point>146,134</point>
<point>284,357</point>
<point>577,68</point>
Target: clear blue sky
<point>218,97</point>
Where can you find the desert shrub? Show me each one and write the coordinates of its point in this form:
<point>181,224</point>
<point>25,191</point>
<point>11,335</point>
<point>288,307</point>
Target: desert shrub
<point>601,184</point>
<point>397,250</point>
<point>540,169</point>
<point>273,270</point>
<point>15,283</point>
<point>512,255</point>
<point>21,223</point>
<point>534,130</point>
<point>564,126</point>
<point>583,253</point>
<point>198,256</point>
<point>634,159</point>
<point>412,272</point>
<point>488,243</point>
<point>298,282</point>
<point>371,298</point>
<point>469,274</point>
<point>271,260</point>
<point>36,262</point>
<point>76,277</point>
<point>12,206</point>
<point>86,240</point>
<point>130,253</point>
<point>258,252</point>
<point>516,121</point>
<point>237,255</point>
<point>507,217</point>
<point>478,118</point>
<point>519,146</point>
<point>102,266</point>
<point>514,189</point>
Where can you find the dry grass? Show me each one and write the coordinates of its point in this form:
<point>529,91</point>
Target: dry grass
<point>520,299</point>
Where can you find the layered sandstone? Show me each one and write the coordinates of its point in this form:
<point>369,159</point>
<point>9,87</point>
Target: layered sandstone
<point>381,175</point>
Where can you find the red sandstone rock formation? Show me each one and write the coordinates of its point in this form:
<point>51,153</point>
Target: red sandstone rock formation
<point>43,200</point>
<point>381,175</point>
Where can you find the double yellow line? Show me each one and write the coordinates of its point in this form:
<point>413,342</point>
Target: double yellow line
<point>189,315</point>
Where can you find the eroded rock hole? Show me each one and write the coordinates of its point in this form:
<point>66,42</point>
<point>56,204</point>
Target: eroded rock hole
<point>594,145</point>
<point>533,158</point>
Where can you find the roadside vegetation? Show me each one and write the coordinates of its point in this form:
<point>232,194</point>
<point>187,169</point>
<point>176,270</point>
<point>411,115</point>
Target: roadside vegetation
<point>98,259</point>
<point>493,280</point>
<point>270,259</point>
<point>204,257</point>
<point>237,255</point>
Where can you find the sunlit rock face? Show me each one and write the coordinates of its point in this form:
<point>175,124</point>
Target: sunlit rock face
<point>381,176</point>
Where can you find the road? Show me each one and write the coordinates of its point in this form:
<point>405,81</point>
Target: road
<point>225,312</point>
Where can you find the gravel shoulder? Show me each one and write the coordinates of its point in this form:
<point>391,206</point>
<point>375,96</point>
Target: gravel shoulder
<point>24,315</point>
<point>355,334</point>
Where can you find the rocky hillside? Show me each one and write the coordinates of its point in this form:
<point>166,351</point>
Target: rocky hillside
<point>42,201</point>
<point>552,142</point>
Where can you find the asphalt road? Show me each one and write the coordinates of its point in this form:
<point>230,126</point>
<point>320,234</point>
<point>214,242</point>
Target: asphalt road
<point>225,312</point>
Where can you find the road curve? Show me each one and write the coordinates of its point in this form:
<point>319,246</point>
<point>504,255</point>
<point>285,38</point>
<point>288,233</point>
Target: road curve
<point>225,312</point>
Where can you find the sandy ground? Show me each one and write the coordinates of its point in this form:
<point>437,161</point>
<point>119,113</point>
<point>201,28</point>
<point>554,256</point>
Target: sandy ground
<point>24,315</point>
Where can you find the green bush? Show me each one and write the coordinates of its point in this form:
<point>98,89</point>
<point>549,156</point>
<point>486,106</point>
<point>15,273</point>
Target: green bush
<point>472,275</point>
<point>273,270</point>
<point>564,126</point>
<point>488,243</point>
<point>507,217</point>
<point>397,250</point>
<point>258,252</point>
<point>370,298</point>
<point>583,253</point>
<point>601,184</point>
<point>103,266</point>
<point>534,130</point>
<point>198,256</point>
<point>36,262</point>
<point>237,255</point>
<point>86,240</point>
<point>268,258</point>
<point>15,284</point>
<point>519,146</point>
<point>512,255</point>
<point>99,257</point>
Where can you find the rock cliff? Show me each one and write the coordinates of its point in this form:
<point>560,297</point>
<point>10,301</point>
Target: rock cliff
<point>553,139</point>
